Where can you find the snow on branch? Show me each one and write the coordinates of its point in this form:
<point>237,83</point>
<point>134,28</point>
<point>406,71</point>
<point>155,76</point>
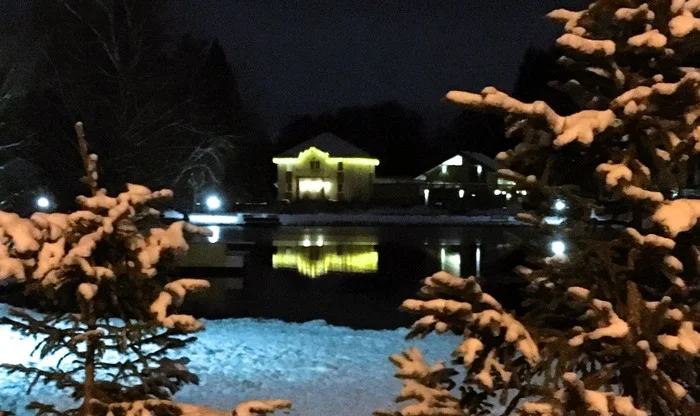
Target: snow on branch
<point>607,323</point>
<point>261,407</point>
<point>641,11</point>
<point>683,24</point>
<point>428,385</point>
<point>174,294</point>
<point>596,402</point>
<point>151,406</point>
<point>687,339</point>
<point>651,240</point>
<point>582,126</point>
<point>677,216</point>
<point>568,17</point>
<point>477,310</point>
<point>651,39</point>
<point>587,46</point>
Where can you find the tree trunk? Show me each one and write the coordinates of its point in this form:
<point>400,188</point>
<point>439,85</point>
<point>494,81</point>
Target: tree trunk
<point>91,347</point>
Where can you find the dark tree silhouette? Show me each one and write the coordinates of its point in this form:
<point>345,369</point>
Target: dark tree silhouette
<point>162,111</point>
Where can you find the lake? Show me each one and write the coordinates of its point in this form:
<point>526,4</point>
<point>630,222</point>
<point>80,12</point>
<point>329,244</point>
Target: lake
<point>350,276</point>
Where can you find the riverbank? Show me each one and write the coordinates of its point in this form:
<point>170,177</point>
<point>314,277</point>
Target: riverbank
<point>345,218</point>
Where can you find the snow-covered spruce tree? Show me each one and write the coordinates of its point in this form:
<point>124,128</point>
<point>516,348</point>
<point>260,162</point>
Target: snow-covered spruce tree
<point>611,326</point>
<point>110,315</point>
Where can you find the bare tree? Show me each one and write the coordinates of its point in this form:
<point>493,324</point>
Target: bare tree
<point>112,64</point>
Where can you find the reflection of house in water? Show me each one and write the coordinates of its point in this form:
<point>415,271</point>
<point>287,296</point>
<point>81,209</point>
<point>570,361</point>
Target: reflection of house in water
<point>314,256</point>
<point>462,260</point>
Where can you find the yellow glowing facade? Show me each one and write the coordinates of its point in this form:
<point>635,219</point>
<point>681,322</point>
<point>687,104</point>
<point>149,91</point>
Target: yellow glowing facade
<point>317,261</point>
<point>319,175</point>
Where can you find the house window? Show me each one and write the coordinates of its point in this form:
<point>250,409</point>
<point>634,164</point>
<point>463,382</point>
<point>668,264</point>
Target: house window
<point>340,179</point>
<point>315,165</point>
<point>288,181</point>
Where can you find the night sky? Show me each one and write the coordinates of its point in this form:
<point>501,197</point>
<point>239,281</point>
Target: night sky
<point>297,57</point>
<point>294,57</point>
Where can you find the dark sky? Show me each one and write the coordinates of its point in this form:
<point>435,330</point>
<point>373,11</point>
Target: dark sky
<point>296,57</point>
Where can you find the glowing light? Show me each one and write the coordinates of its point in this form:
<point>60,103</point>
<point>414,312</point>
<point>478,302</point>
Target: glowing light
<point>559,205</point>
<point>461,193</point>
<point>354,259</point>
<point>479,169</point>
<point>554,220</point>
<point>497,192</point>
<point>215,233</point>
<point>314,185</point>
<point>213,202</point>
<point>210,219</point>
<point>43,202</point>
<point>523,192</point>
<point>508,196</point>
<point>478,259</point>
<point>558,247</point>
<point>319,241</point>
<point>426,195</point>
<point>450,262</point>
<point>306,242</point>
<point>444,168</point>
<point>362,161</point>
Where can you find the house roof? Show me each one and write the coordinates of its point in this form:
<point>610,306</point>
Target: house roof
<point>329,143</point>
<point>458,160</point>
<point>483,159</point>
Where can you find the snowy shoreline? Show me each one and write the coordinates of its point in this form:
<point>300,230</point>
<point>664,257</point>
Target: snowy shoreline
<point>324,370</point>
<point>340,219</point>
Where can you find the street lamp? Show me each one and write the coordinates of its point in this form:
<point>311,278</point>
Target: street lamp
<point>559,205</point>
<point>43,202</point>
<point>213,202</point>
<point>558,247</point>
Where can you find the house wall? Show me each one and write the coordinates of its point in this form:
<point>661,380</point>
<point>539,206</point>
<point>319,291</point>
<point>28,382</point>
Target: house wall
<point>313,165</point>
<point>401,194</point>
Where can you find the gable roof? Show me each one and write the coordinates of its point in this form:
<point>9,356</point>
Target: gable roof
<point>458,160</point>
<point>329,143</point>
<point>483,159</point>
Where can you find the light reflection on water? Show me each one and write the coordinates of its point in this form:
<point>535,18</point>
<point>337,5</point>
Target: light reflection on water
<point>318,251</point>
<point>313,253</point>
<point>344,275</point>
<point>320,260</point>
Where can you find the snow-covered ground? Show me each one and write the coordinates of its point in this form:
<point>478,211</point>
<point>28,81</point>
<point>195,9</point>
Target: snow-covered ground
<point>323,370</point>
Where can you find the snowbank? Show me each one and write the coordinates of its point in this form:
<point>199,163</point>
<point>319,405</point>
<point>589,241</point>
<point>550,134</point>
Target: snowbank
<point>324,370</point>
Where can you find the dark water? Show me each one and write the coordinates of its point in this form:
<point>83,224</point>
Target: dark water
<point>350,276</point>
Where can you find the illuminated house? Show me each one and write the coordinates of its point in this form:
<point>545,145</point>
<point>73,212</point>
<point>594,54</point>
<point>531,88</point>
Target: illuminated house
<point>468,176</point>
<point>325,168</point>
